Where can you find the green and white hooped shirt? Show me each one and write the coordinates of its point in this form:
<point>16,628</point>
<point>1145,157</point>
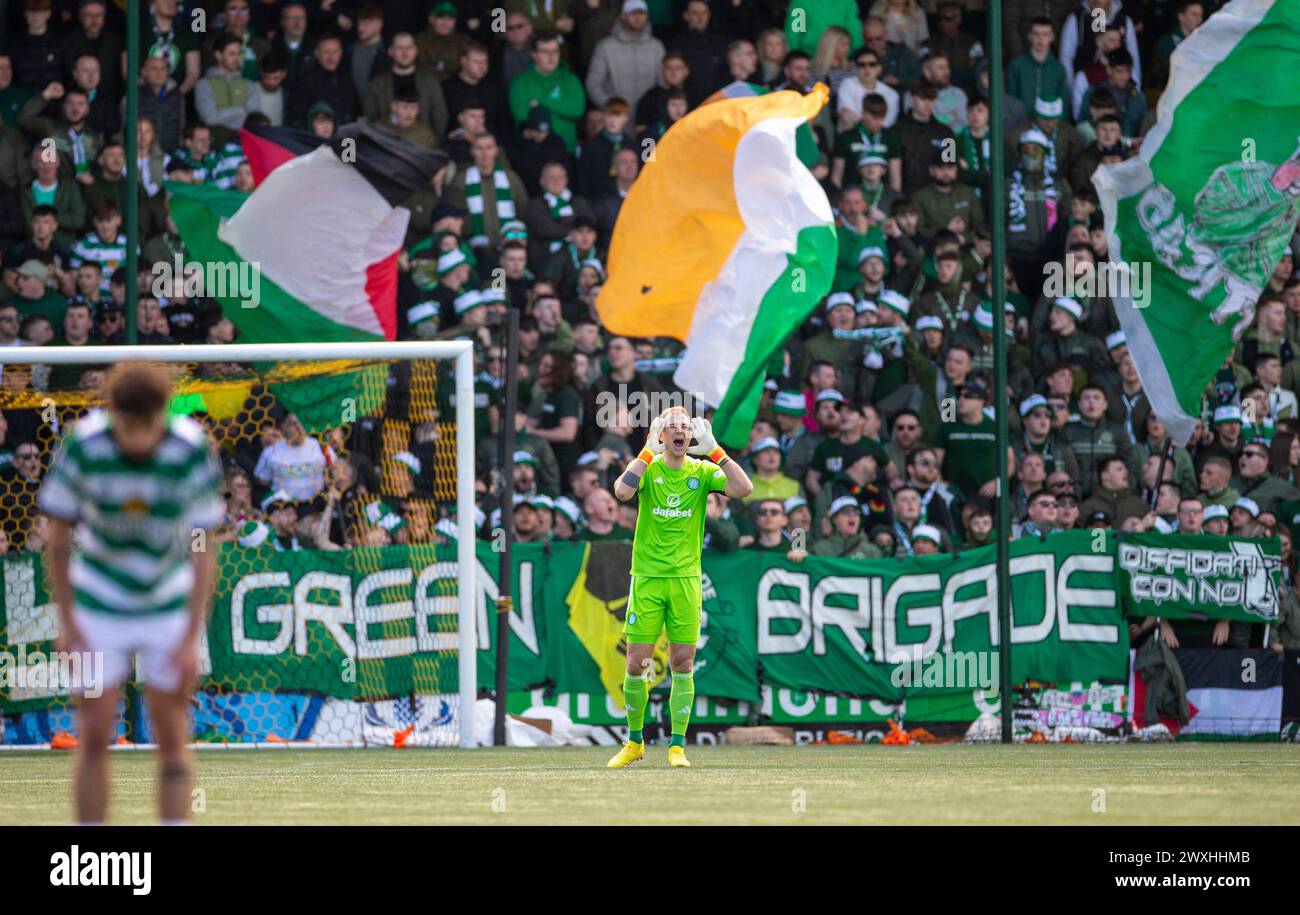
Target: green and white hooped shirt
<point>136,521</point>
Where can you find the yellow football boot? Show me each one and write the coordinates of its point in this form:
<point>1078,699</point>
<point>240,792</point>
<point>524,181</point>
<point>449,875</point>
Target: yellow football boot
<point>630,753</point>
<point>677,757</point>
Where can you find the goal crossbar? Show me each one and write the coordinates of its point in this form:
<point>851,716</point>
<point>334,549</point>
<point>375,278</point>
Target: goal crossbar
<point>461,351</point>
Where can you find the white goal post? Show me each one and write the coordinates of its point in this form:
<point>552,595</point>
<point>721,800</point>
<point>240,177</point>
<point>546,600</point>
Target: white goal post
<point>461,351</point>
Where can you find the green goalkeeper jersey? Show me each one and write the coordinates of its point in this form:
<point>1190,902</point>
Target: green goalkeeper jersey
<point>136,521</point>
<point>671,509</point>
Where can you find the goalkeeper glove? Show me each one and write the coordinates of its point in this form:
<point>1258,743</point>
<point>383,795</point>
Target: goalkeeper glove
<point>705,444</point>
<point>654,442</point>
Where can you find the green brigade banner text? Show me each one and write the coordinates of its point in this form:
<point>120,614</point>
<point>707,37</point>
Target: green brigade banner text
<point>372,624</point>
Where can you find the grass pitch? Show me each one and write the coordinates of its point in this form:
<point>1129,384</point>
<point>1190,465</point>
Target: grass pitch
<point>957,785</point>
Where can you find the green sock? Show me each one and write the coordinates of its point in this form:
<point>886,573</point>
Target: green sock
<point>635,692</point>
<point>680,701</point>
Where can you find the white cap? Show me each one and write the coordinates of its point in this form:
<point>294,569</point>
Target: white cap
<point>1249,505</point>
<point>278,496</point>
<point>1068,305</point>
<point>449,260</point>
<point>1116,340</point>
<point>790,403</point>
<point>569,509</point>
<point>844,502</point>
<point>1048,108</point>
<point>1228,413</point>
<point>447,527</point>
<point>252,534</point>
<point>1212,512</point>
<point>1029,403</point>
<point>470,298</point>
<point>927,532</point>
<point>1034,135</point>
<point>929,322</point>
<point>411,461</point>
<point>897,301</point>
<point>838,298</point>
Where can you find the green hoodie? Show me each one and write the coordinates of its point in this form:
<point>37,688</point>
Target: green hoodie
<point>839,546</point>
<point>1029,80</point>
<point>560,92</point>
<point>807,19</point>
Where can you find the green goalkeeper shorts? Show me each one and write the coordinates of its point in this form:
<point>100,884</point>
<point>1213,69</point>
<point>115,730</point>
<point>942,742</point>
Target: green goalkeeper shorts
<point>653,603</point>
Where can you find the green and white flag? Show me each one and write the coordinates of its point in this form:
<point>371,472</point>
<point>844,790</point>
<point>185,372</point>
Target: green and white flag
<point>727,243</point>
<point>1209,205</point>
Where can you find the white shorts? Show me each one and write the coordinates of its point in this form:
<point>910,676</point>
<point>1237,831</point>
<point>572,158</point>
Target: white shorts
<point>153,638</point>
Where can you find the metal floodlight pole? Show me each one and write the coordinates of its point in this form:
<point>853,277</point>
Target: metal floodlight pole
<point>133,178</point>
<point>505,602</point>
<point>998,207</point>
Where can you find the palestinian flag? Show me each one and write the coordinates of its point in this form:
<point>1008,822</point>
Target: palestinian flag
<point>725,242</point>
<point>1207,208</point>
<point>1232,693</point>
<point>267,148</point>
<point>323,230</point>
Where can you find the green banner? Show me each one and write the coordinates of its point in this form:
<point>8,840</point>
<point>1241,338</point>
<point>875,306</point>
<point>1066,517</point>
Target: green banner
<point>586,652</point>
<point>1200,578</point>
<point>1072,704</point>
<point>839,625</point>
<point>322,402</point>
<point>530,565</point>
<point>292,621</point>
<point>29,622</point>
<point>354,624</point>
<point>380,623</point>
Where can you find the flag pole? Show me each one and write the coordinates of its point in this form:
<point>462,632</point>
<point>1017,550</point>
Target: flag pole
<point>1165,454</point>
<point>998,207</point>
<point>133,182</point>
<point>505,600</point>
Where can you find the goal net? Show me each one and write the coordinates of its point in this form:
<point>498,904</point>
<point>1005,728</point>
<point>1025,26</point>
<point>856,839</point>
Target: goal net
<point>343,610</point>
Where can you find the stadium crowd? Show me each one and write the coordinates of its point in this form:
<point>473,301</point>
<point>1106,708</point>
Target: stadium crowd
<point>876,435</point>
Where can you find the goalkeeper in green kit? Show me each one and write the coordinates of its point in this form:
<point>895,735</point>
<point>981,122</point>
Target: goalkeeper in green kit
<point>673,492</point>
